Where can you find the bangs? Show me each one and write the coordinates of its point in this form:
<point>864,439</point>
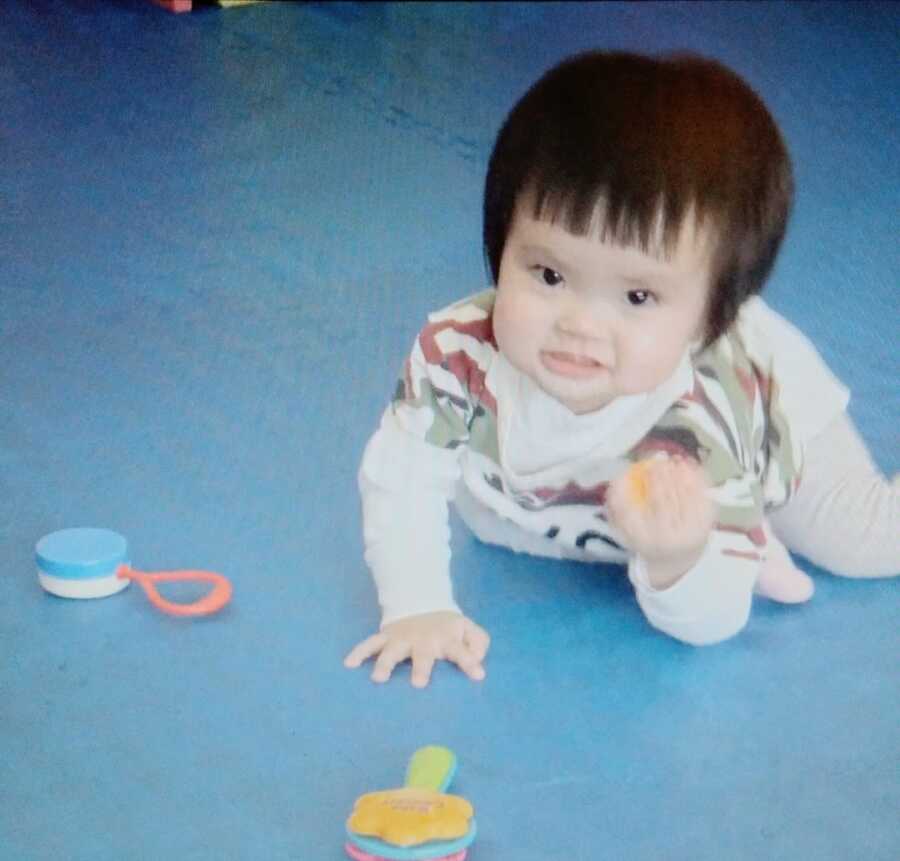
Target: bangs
<point>653,224</point>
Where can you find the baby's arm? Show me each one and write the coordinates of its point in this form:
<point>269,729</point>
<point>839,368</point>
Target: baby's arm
<point>409,473</point>
<point>405,485</point>
<point>690,581</point>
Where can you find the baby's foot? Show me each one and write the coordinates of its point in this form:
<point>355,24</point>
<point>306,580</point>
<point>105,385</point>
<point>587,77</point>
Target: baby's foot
<point>779,579</point>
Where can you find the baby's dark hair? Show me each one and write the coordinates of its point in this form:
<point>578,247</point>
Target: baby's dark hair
<point>652,140</point>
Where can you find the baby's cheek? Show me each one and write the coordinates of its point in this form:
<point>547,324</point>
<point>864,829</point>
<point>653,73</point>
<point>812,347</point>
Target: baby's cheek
<point>646,360</point>
<point>504,318</point>
<point>516,323</point>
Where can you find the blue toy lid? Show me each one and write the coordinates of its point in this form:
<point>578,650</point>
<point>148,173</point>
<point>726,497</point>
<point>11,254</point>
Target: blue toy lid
<point>81,553</point>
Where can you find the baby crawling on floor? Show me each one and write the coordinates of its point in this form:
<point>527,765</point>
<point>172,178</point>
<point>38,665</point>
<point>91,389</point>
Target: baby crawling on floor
<point>622,394</point>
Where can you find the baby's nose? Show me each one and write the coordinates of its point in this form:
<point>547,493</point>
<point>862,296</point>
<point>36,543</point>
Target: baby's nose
<point>579,321</point>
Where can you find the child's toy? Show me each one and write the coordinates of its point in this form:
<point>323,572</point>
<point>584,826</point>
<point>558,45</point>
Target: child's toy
<point>175,5</point>
<point>190,5</point>
<point>92,563</point>
<point>417,822</point>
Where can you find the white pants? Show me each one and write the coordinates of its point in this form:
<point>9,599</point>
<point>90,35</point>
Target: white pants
<point>846,515</point>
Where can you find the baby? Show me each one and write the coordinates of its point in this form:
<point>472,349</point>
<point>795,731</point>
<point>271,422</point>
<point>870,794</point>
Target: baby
<point>622,394</point>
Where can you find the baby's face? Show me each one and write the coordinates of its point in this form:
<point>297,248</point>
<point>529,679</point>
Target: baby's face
<point>589,321</point>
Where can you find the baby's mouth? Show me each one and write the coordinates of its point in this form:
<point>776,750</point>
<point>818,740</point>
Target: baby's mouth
<point>571,364</point>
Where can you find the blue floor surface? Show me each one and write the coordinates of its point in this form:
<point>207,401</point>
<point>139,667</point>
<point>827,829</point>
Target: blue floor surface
<point>219,234</point>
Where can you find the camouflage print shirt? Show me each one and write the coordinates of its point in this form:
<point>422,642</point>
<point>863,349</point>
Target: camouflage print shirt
<point>446,423</point>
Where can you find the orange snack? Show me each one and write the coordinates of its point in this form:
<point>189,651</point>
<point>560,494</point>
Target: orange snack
<point>638,483</point>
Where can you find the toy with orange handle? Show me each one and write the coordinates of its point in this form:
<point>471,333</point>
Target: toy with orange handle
<point>93,563</point>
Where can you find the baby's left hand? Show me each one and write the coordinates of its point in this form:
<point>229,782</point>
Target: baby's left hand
<point>663,510</point>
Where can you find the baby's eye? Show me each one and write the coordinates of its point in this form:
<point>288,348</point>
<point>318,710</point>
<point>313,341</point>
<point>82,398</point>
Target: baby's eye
<point>548,276</point>
<point>639,297</point>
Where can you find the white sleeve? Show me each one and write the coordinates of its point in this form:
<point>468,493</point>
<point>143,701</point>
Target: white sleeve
<point>710,603</point>
<point>810,395</point>
<point>405,484</point>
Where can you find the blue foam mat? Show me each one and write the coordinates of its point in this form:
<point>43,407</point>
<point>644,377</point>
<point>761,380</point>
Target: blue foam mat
<point>220,233</point>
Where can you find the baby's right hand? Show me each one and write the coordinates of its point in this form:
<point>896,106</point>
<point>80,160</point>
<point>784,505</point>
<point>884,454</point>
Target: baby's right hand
<point>424,639</point>
<point>663,508</point>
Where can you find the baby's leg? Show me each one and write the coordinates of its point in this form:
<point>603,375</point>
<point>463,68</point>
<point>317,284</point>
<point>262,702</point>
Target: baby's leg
<point>779,579</point>
<point>845,516</point>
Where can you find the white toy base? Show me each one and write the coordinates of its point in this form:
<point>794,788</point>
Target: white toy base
<point>92,587</point>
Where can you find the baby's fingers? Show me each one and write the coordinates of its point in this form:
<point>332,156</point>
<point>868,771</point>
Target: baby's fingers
<point>422,665</point>
<point>630,519</point>
<point>462,656</point>
<point>477,639</point>
<point>666,496</point>
<point>391,655</point>
<point>360,654</point>
<point>692,496</point>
